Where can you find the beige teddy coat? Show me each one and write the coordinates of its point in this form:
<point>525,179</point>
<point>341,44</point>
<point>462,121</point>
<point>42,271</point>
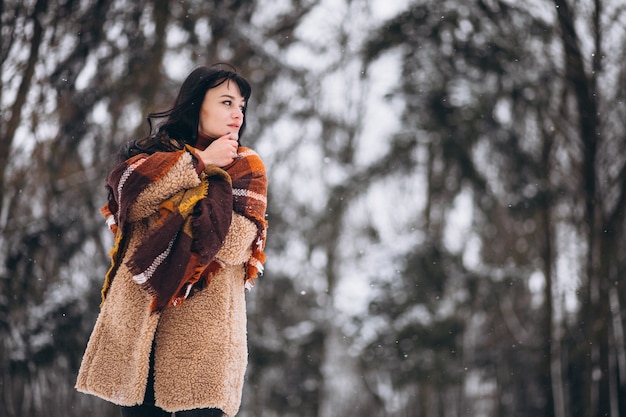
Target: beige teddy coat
<point>200,345</point>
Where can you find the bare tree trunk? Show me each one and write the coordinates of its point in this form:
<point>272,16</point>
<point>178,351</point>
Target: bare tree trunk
<point>7,133</point>
<point>596,377</point>
<point>556,371</point>
<point>552,328</point>
<point>553,382</point>
<point>618,334</point>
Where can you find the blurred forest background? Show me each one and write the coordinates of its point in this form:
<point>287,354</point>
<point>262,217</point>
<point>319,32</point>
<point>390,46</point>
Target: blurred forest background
<point>447,195</point>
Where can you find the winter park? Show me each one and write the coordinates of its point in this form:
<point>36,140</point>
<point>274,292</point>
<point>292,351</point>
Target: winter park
<point>445,206</point>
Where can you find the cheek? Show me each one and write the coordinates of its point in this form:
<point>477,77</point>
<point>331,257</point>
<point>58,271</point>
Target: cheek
<point>205,117</point>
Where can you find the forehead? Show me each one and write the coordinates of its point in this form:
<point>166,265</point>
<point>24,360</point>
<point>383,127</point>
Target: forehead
<point>227,88</point>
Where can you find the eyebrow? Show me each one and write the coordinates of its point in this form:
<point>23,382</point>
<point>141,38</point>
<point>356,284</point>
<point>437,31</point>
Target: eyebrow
<point>233,98</point>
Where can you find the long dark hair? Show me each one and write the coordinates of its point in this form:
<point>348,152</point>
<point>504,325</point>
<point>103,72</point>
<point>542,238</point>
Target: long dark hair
<point>181,121</point>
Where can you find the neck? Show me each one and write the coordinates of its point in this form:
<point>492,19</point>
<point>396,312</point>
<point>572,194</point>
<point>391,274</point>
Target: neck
<point>203,141</point>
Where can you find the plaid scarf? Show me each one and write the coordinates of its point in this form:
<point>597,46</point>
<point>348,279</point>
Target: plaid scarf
<point>177,257</point>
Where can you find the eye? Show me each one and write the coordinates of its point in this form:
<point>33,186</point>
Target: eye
<point>227,102</point>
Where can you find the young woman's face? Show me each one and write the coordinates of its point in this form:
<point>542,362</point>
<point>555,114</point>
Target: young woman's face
<point>222,111</point>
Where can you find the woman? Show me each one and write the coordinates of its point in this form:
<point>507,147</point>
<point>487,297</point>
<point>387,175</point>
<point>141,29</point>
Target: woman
<point>187,209</point>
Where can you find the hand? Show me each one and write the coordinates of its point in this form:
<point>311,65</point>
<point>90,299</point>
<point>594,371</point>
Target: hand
<point>221,152</point>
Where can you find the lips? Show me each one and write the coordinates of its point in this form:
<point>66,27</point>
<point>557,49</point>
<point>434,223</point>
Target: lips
<point>234,126</point>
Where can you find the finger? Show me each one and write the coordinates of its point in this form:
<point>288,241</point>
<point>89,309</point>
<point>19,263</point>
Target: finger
<point>226,136</point>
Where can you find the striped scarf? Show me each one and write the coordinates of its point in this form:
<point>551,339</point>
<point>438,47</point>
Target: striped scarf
<point>177,257</point>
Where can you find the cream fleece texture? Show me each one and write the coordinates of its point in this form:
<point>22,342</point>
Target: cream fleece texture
<point>201,345</point>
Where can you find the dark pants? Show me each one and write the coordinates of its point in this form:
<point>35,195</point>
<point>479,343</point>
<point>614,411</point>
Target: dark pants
<point>148,409</point>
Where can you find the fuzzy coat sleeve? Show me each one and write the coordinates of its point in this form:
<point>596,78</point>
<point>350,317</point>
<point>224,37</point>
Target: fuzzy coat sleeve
<point>182,175</point>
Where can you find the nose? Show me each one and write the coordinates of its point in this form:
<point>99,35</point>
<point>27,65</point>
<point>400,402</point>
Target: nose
<point>238,114</point>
